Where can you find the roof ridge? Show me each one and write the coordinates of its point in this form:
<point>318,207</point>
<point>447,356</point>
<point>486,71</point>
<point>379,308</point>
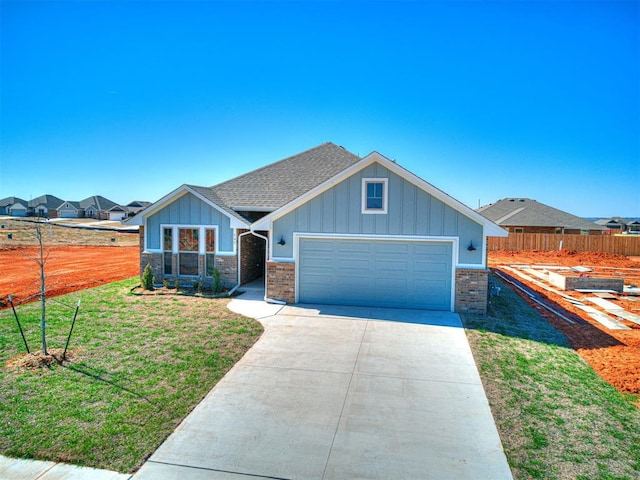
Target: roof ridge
<point>509,215</point>
<point>277,162</point>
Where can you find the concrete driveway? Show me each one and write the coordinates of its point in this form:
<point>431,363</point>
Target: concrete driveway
<point>341,393</point>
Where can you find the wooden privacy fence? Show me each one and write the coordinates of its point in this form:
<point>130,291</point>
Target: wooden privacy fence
<point>619,244</point>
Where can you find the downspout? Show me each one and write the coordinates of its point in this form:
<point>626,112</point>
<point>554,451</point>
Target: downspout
<point>266,254</point>
<point>266,258</point>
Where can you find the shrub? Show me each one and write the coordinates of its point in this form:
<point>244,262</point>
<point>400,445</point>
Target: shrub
<point>165,283</point>
<point>217,284</point>
<point>147,278</point>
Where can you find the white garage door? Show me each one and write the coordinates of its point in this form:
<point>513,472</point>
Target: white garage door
<point>383,273</point>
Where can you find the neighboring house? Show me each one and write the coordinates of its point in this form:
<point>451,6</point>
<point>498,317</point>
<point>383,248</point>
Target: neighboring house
<point>96,206</point>
<point>70,209</point>
<point>620,225</point>
<point>135,207</point>
<point>523,215</point>
<point>333,228</point>
<point>116,213</point>
<point>14,206</point>
<point>45,206</point>
<point>633,226</point>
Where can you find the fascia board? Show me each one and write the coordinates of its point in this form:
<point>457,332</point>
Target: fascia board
<point>139,218</point>
<point>490,228</point>
<point>182,190</point>
<point>265,222</point>
<point>234,222</point>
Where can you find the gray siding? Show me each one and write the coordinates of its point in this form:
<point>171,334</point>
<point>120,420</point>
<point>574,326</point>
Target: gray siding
<point>411,211</point>
<point>189,210</point>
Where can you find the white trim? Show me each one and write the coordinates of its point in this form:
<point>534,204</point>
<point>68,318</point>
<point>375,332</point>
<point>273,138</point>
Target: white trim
<point>179,192</point>
<point>489,227</point>
<point>174,246</point>
<point>282,259</point>
<point>385,196</point>
<point>175,238</point>
<point>399,238</point>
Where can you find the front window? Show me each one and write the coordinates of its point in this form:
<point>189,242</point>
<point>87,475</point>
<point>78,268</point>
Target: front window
<point>188,239</point>
<point>210,250</point>
<point>167,247</point>
<point>374,195</point>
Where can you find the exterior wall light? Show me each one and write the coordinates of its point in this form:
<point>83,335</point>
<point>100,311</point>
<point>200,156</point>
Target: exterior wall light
<point>282,242</point>
<point>471,248</point>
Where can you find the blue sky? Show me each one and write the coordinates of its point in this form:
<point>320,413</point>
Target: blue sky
<point>485,100</point>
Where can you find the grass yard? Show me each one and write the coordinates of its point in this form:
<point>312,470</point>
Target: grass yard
<point>141,364</point>
<point>557,418</point>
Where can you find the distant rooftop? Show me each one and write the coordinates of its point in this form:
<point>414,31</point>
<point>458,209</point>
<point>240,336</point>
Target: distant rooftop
<point>517,212</point>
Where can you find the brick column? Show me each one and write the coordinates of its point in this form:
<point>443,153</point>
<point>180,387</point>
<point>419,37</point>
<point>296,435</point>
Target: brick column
<point>227,265</point>
<point>472,290</point>
<point>281,281</point>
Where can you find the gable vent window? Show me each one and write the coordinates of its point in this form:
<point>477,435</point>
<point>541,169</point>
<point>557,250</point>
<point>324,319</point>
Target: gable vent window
<point>374,195</point>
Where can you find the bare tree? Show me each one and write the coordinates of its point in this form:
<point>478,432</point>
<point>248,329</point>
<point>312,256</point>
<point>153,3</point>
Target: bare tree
<point>41,260</point>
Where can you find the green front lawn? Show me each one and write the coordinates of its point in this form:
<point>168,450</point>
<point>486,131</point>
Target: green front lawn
<point>141,364</point>
<point>557,418</point>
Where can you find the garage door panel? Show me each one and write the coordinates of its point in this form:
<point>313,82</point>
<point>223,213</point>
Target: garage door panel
<point>391,288</point>
<point>350,249</point>
<point>393,265</point>
<point>390,273</point>
<point>433,248</point>
<point>319,279</point>
<point>355,264</point>
<point>398,248</point>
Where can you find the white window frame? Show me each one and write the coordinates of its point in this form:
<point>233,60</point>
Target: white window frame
<point>204,246</point>
<point>197,253</point>
<point>175,241</point>
<point>385,196</point>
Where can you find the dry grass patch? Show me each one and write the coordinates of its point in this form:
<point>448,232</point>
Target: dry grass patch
<point>22,233</point>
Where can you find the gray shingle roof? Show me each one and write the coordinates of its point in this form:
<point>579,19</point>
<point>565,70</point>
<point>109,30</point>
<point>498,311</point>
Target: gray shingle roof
<point>8,201</point>
<point>50,201</point>
<point>279,183</point>
<point>614,220</point>
<point>97,201</point>
<point>208,193</point>
<point>518,212</point>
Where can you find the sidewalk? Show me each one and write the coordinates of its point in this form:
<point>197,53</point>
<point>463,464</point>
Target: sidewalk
<point>19,469</point>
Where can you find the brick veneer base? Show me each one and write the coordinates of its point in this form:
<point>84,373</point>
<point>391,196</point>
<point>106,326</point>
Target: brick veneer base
<point>471,290</point>
<point>281,281</point>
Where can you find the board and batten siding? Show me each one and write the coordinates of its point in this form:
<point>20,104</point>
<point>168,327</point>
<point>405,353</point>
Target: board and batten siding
<point>411,212</point>
<point>189,210</point>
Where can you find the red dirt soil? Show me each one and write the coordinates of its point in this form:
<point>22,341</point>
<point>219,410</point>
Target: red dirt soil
<point>67,269</point>
<point>614,354</point>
